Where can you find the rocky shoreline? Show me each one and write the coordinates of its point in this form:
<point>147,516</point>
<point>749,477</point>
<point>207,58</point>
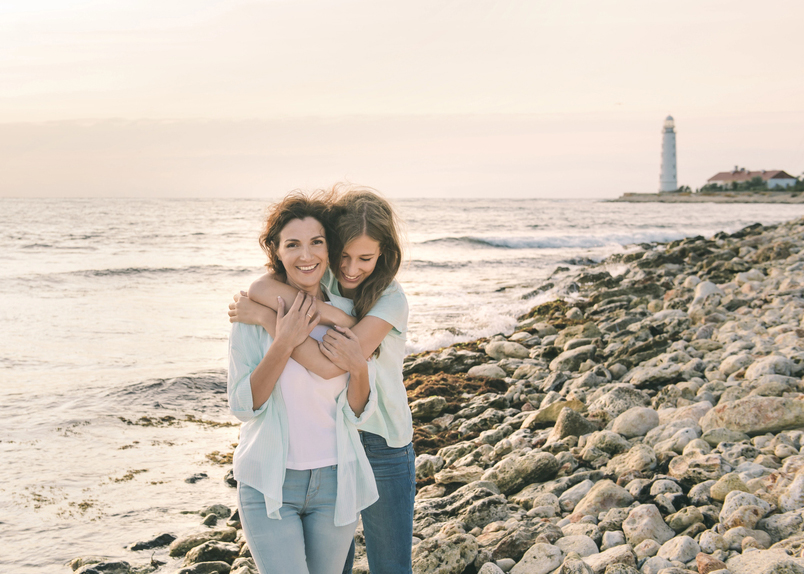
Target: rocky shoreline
<point>650,419</point>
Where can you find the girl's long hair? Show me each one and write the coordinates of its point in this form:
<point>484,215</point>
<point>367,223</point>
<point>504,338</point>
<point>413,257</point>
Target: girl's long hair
<point>363,211</point>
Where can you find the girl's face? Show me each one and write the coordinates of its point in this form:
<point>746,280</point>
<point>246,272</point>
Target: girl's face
<point>358,260</point>
<point>302,250</point>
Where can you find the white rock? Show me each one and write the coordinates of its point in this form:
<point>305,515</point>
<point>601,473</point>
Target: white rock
<point>622,554</point>
<point>636,421</point>
<point>711,541</point>
<point>704,290</point>
<point>770,365</point>
<point>748,276</point>
<point>691,281</point>
<point>736,499</point>
<point>647,548</point>
<point>734,363</point>
<point>499,350</point>
<point>489,370</point>
<point>793,496</point>
<point>539,559</point>
<point>427,465</point>
<point>645,522</point>
<point>579,543</point>
<point>572,496</point>
<point>765,562</point>
<point>655,564</point>
<point>679,549</point>
<point>612,538</point>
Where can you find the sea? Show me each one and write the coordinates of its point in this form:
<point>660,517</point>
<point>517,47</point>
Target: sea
<point>113,340</point>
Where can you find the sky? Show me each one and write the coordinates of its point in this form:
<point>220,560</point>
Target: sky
<point>520,98</point>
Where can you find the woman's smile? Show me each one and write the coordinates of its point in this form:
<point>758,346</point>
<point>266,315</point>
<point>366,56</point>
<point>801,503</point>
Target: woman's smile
<point>302,250</point>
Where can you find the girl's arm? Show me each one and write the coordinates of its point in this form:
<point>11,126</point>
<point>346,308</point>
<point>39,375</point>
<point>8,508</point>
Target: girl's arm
<point>291,329</point>
<point>307,354</point>
<point>266,290</point>
<point>370,332</point>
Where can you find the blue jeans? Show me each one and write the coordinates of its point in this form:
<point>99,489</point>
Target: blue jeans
<point>388,523</point>
<point>306,540</point>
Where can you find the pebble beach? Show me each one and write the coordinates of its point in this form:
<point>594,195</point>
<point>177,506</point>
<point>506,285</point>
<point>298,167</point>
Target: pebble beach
<point>648,418</point>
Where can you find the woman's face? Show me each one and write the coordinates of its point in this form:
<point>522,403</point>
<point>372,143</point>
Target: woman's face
<point>358,260</point>
<point>302,250</point>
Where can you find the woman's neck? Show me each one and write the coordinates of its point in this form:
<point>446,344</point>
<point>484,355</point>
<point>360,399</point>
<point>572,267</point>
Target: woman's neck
<point>348,293</point>
<point>315,292</point>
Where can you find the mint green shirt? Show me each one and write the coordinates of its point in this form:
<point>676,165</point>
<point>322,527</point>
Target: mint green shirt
<point>391,420</point>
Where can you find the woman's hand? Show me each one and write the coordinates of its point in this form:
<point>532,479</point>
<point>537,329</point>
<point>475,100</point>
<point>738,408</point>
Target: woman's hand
<point>293,327</point>
<point>342,347</point>
<point>244,310</point>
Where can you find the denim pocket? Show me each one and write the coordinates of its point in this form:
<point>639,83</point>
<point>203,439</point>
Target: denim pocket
<point>376,447</point>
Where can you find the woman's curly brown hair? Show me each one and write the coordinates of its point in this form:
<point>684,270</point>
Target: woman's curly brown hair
<point>295,205</point>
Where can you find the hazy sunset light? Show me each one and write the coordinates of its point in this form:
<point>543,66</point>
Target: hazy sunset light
<point>212,98</point>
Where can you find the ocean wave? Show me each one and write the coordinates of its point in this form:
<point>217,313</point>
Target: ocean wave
<point>59,247</point>
<point>420,263</point>
<point>559,241</point>
<point>200,392</point>
<point>191,269</point>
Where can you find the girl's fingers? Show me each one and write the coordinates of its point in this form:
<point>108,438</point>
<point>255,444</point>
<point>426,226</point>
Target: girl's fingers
<point>326,352</point>
<point>346,332</point>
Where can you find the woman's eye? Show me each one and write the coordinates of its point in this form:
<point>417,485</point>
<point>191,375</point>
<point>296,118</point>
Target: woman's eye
<point>366,260</point>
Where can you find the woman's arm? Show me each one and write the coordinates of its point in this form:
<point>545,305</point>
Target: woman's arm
<point>266,290</point>
<point>292,328</point>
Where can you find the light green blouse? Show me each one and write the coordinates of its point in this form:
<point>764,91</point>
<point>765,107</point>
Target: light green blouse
<point>392,419</point>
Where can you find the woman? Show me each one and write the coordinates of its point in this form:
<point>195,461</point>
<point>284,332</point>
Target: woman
<point>365,258</point>
<point>302,473</point>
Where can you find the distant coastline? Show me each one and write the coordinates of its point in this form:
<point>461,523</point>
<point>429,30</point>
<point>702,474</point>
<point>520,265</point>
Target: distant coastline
<point>714,197</point>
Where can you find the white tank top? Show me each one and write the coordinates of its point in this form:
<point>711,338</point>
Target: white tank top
<point>310,402</point>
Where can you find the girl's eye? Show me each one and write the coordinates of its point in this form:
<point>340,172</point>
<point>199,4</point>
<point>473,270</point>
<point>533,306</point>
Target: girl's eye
<point>366,260</point>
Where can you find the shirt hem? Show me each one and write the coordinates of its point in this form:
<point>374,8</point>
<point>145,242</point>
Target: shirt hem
<point>312,465</point>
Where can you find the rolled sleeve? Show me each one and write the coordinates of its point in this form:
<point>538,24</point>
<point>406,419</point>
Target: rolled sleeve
<point>392,307</point>
<point>245,353</point>
<point>371,404</point>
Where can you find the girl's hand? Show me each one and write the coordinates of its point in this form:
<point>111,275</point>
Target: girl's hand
<point>342,347</point>
<point>244,310</point>
<point>293,327</point>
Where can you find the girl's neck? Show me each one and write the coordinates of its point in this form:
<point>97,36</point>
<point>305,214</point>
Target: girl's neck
<point>348,293</point>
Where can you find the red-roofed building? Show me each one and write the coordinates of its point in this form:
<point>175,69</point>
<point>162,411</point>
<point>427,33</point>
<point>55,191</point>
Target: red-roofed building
<point>774,178</point>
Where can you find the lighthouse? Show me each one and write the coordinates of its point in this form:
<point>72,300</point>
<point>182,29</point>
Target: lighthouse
<point>668,180</point>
